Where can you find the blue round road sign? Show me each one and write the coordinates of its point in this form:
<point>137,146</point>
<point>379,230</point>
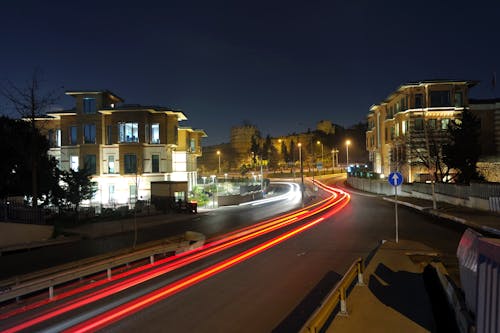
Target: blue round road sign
<point>395,178</point>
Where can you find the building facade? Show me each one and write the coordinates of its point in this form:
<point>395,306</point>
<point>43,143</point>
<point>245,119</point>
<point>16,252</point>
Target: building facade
<point>412,121</point>
<point>125,147</point>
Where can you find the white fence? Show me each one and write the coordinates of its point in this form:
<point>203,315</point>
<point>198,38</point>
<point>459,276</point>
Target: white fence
<point>484,196</point>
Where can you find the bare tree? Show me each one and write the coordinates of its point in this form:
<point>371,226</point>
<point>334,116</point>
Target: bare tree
<point>30,103</point>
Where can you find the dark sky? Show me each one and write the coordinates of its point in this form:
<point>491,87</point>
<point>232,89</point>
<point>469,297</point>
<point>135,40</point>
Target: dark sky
<point>281,65</point>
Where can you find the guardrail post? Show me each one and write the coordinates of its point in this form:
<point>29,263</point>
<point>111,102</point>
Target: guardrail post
<point>51,292</point>
<point>360,273</point>
<point>152,259</point>
<point>108,272</point>
<point>343,303</point>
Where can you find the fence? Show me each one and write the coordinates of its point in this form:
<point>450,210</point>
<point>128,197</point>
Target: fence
<point>476,195</point>
<point>19,213</point>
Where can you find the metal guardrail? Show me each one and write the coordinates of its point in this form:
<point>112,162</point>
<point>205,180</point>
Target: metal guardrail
<point>49,278</point>
<point>336,296</point>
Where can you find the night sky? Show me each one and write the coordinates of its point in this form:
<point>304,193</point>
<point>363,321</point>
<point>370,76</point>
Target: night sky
<point>281,65</point>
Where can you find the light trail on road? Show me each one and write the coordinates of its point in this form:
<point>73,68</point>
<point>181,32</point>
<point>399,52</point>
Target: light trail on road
<point>109,317</point>
<point>166,265</point>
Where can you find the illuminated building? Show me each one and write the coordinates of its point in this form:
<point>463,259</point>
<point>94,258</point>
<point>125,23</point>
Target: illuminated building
<point>126,147</point>
<point>409,120</point>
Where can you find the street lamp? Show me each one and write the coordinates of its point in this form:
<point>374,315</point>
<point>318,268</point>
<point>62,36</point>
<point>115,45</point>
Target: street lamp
<point>335,155</point>
<point>347,143</point>
<point>301,173</point>
<point>319,143</point>
<point>218,154</point>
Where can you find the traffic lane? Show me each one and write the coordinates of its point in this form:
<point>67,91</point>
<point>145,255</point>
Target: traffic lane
<point>257,295</point>
<point>212,223</point>
<point>254,296</point>
<point>167,276</point>
<point>376,218</point>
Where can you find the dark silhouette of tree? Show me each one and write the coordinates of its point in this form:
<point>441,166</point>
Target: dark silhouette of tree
<point>31,103</point>
<point>463,152</point>
<point>284,152</point>
<point>255,148</point>
<point>16,167</point>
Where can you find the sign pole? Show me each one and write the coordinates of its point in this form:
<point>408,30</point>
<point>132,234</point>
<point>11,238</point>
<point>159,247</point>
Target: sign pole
<point>396,209</point>
<point>396,179</point>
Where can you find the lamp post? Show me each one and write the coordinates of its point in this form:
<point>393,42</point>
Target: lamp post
<point>218,154</point>
<point>319,143</point>
<point>213,194</point>
<point>225,181</point>
<point>301,174</point>
<point>335,158</point>
<point>347,143</point>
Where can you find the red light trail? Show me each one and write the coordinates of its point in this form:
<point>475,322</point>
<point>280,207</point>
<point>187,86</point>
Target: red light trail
<point>169,264</point>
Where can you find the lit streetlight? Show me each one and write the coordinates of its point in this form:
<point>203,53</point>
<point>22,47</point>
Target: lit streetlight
<point>347,143</point>
<point>319,143</point>
<point>218,154</point>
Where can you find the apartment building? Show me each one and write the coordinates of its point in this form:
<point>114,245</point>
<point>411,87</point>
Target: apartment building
<point>125,147</point>
<point>411,121</point>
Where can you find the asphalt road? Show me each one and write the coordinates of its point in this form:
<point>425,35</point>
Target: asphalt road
<point>211,224</point>
<point>278,289</point>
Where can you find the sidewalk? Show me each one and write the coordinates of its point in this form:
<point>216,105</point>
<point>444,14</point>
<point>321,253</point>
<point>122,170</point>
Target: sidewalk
<point>105,228</point>
<point>479,220</point>
<point>394,297</point>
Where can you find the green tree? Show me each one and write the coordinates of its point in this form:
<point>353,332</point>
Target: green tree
<point>77,186</point>
<point>464,150</point>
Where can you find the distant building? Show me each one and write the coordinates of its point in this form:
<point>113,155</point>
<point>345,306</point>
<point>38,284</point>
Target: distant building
<point>488,112</point>
<point>241,140</point>
<point>326,126</point>
<point>125,147</point>
<point>401,126</point>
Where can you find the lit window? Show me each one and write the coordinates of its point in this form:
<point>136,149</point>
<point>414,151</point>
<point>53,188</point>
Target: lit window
<point>403,127</point>
<point>155,133</point>
<point>193,145</point>
<point>89,105</point>
<point>111,190</point>
<point>133,193</point>
<point>58,137</point>
<point>89,133</point>
<point>129,132</point>
<point>111,164</point>
<point>74,162</point>
<point>444,123</point>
